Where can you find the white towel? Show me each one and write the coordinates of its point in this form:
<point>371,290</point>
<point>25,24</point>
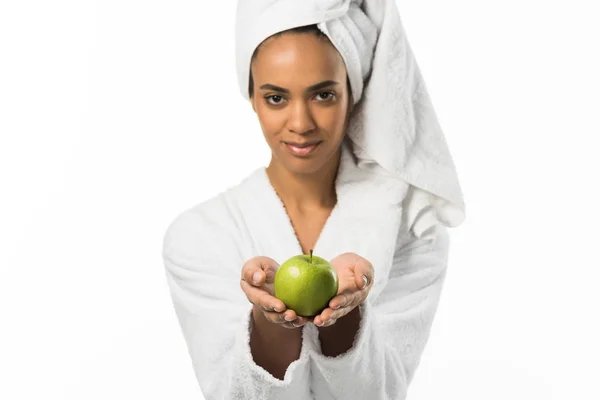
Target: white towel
<point>394,127</point>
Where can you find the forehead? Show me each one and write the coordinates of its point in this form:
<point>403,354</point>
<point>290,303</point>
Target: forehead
<point>299,58</point>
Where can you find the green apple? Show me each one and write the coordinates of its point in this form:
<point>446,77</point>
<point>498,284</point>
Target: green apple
<point>305,284</point>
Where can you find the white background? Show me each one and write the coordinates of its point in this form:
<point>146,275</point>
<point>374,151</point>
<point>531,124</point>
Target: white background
<point>115,116</point>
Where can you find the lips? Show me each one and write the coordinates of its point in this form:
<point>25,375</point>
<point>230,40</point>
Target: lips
<point>303,145</point>
<point>302,149</point>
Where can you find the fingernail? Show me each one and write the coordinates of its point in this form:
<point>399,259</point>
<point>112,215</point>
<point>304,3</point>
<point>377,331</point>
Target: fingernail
<point>336,307</point>
<point>365,280</point>
<point>256,277</point>
<point>288,320</point>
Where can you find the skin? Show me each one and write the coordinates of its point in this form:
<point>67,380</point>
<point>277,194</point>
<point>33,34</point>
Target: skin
<point>275,340</point>
<point>295,63</point>
<point>293,104</point>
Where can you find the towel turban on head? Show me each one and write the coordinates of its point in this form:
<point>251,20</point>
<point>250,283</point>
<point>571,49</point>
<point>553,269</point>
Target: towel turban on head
<point>393,124</point>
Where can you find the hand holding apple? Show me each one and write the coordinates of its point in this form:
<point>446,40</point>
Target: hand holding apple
<point>355,275</point>
<point>258,274</point>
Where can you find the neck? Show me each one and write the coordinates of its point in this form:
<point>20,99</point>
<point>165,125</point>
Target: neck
<point>305,192</point>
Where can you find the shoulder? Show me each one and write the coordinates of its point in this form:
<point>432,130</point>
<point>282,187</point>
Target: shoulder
<point>211,225</point>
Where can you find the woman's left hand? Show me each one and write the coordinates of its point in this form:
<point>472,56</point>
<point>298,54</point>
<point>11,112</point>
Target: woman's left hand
<point>355,277</point>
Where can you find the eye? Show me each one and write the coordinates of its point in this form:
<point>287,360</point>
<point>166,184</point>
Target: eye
<point>325,96</point>
<point>274,99</point>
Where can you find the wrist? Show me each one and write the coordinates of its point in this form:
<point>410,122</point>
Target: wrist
<point>272,346</point>
<point>339,337</point>
<point>268,331</point>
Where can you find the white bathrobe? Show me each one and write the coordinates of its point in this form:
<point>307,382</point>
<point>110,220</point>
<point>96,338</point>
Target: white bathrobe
<point>206,246</point>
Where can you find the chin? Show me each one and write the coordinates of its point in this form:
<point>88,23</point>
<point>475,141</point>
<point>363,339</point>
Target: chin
<point>303,166</point>
<point>309,165</point>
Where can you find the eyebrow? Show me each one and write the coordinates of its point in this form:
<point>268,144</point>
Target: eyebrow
<point>320,85</point>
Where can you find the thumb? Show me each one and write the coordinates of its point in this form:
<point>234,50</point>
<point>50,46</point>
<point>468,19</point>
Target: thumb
<point>259,270</point>
<point>361,280</point>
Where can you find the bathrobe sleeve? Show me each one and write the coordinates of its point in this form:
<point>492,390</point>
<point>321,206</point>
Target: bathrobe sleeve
<point>393,331</point>
<point>203,267</point>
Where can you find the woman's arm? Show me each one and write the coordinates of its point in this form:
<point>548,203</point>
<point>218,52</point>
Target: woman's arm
<point>393,328</point>
<point>203,267</point>
<point>273,347</point>
<point>339,337</point>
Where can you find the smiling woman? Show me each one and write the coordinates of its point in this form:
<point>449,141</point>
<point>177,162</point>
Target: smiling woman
<point>302,98</point>
<point>351,178</point>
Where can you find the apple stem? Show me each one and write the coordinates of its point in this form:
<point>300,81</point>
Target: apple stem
<point>311,255</point>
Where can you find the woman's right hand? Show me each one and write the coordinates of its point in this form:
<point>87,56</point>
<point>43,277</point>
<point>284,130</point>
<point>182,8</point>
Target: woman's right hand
<point>258,276</point>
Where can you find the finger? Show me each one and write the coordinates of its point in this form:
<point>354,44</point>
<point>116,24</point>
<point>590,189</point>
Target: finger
<point>363,274</point>
<point>261,298</point>
<point>299,322</point>
<point>295,319</point>
<point>327,322</point>
<point>337,314</point>
<point>341,300</point>
<point>323,317</point>
<point>254,275</point>
<point>362,281</point>
<point>291,325</point>
<point>279,318</point>
<point>287,319</point>
<point>332,315</point>
<point>318,319</point>
<point>347,299</point>
<point>259,270</point>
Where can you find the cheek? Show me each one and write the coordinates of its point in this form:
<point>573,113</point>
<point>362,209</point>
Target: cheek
<point>332,119</point>
<point>271,121</point>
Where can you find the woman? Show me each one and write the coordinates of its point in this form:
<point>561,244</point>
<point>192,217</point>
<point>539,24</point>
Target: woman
<point>360,174</point>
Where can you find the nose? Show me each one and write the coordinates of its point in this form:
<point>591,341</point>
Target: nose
<point>300,119</point>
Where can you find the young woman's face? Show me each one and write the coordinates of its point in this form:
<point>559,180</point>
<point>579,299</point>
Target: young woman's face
<point>301,97</point>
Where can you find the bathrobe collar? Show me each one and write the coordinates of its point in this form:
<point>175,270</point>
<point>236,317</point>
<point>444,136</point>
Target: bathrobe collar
<point>366,219</point>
